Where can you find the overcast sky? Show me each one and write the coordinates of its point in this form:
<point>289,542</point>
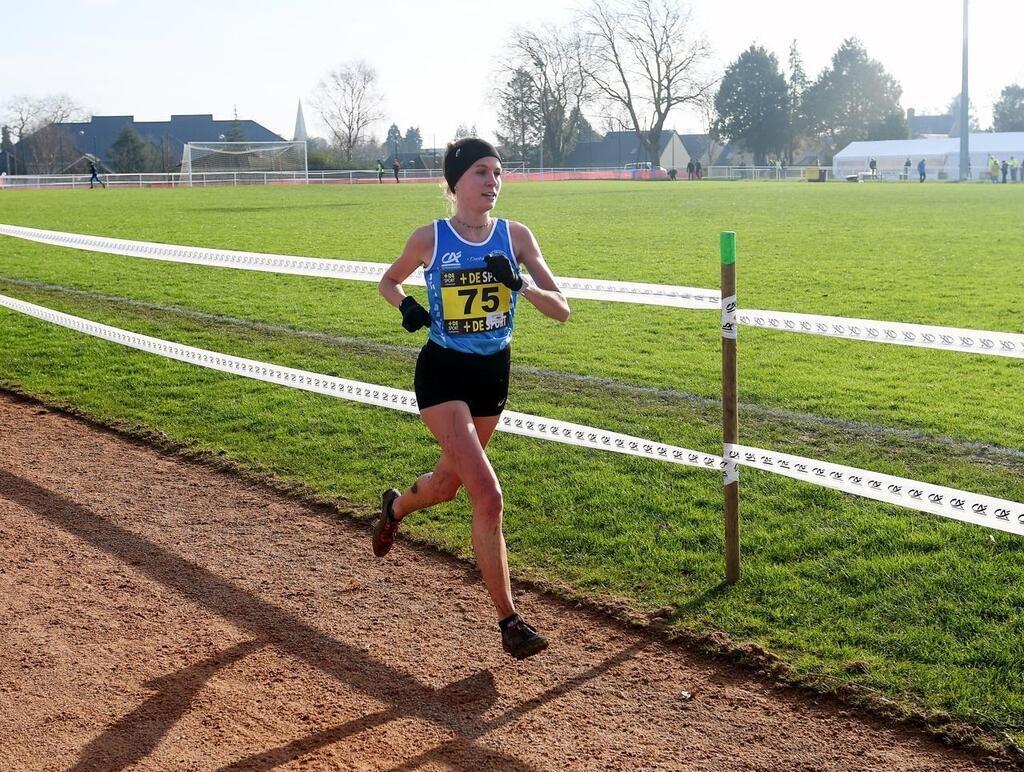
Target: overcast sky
<point>435,59</point>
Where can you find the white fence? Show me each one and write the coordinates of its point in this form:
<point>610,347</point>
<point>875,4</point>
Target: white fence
<point>369,176</point>
<point>778,173</point>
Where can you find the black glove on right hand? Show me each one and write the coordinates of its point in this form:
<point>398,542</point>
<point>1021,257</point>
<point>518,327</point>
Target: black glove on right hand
<point>414,316</point>
<point>504,270</point>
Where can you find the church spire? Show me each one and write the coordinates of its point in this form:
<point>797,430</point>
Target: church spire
<point>300,126</point>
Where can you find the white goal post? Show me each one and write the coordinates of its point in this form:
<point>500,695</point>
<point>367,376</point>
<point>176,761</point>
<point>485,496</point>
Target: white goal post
<point>244,161</point>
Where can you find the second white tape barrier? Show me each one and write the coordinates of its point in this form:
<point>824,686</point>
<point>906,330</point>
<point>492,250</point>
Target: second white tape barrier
<point>974,508</point>
<point>368,393</point>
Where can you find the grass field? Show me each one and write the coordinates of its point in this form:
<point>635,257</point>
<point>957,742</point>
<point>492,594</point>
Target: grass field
<point>926,611</point>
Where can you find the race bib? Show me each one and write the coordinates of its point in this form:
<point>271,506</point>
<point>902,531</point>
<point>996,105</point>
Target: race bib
<point>474,301</point>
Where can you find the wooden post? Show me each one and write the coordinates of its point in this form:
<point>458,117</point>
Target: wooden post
<point>730,410</point>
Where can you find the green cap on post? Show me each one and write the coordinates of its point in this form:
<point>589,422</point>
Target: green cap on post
<point>727,245</point>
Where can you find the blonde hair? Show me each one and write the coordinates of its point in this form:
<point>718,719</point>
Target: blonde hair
<point>446,190</point>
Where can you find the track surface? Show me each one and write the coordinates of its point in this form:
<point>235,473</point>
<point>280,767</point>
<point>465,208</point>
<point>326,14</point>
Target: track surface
<point>161,614</point>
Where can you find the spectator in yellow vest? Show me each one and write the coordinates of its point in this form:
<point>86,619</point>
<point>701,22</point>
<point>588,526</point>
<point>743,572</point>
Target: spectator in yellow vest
<point>1013,169</point>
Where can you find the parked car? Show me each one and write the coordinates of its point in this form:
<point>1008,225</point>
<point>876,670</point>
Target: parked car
<point>646,166</point>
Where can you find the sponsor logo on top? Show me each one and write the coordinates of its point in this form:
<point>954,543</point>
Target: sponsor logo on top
<point>451,258</point>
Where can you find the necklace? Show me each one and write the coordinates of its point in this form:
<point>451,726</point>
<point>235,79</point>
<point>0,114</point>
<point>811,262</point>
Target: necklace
<point>457,221</point>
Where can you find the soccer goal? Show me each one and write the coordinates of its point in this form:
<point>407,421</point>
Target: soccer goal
<point>243,162</point>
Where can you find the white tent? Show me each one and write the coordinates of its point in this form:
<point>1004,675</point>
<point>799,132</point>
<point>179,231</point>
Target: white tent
<point>941,155</point>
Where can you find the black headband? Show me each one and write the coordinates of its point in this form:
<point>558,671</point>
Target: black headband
<point>458,159</point>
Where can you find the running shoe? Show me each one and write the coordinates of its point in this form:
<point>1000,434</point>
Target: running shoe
<point>520,640</point>
<point>386,527</point>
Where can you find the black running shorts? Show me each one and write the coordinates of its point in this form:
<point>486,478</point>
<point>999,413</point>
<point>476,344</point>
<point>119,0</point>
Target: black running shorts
<point>481,381</point>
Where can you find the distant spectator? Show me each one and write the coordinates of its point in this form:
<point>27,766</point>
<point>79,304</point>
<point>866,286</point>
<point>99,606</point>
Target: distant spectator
<point>1013,169</point>
<point>921,169</point>
<point>993,169</point>
<point>380,171</point>
<point>906,169</point>
<point>697,170</point>
<point>672,174</point>
<point>396,168</point>
<point>873,166</point>
<point>690,168</point>
<point>95,177</point>
<point>1005,169</point>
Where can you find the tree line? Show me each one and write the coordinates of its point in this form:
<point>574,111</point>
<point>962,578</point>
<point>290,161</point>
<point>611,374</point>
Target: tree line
<point>627,64</point>
<point>774,114</point>
<point>631,63</point>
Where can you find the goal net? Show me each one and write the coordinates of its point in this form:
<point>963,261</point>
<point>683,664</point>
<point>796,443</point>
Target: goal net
<point>243,161</point>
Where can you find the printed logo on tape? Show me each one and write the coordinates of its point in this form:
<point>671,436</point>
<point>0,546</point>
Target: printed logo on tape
<point>729,327</point>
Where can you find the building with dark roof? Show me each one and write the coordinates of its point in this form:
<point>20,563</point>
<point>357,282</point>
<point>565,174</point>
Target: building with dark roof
<point>699,147</point>
<point>930,125</point>
<point>96,135</point>
<point>427,158</point>
<point>619,148</point>
<point>712,152</point>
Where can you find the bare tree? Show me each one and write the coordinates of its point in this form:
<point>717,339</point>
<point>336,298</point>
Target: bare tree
<point>647,60</point>
<point>549,66</point>
<point>368,150</point>
<point>25,114</point>
<point>349,104</point>
<point>45,144</point>
<point>708,117</point>
<point>50,149</point>
<point>21,115</point>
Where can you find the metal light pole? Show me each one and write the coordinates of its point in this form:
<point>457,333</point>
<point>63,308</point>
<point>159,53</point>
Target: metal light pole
<point>965,115</point>
<point>542,130</point>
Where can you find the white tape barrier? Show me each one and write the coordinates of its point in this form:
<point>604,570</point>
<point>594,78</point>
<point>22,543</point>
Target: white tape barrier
<point>214,258</point>
<point>586,289</point>
<point>967,507</point>
<point>897,333</point>
<point>368,393</point>
<point>973,508</point>
<point>921,336</point>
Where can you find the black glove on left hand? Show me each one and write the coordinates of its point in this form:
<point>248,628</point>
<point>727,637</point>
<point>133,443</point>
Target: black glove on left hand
<point>504,270</point>
<point>414,316</point>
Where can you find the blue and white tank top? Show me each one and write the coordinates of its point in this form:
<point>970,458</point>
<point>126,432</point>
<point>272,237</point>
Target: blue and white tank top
<point>470,310</point>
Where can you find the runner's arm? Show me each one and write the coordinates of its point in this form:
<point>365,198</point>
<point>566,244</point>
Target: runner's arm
<point>540,288</point>
<point>417,253</point>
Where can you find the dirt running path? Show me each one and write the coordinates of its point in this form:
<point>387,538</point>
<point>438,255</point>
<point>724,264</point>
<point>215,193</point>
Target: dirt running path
<point>158,613</point>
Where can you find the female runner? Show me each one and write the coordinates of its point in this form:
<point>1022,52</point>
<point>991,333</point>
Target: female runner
<point>471,265</point>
